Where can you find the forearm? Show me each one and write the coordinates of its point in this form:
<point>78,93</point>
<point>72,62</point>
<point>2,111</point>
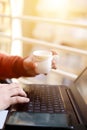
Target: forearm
<point>11,67</point>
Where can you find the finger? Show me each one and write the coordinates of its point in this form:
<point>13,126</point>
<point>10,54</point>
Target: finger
<point>33,65</point>
<point>8,86</point>
<point>31,70</point>
<point>19,99</point>
<point>13,86</point>
<point>17,91</point>
<point>30,65</point>
<point>54,66</point>
<point>54,52</point>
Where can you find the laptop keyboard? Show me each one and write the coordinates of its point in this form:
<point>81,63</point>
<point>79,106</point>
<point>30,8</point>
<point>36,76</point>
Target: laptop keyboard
<point>43,98</point>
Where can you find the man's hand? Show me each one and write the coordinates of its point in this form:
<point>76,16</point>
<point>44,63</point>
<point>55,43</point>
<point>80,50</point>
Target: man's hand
<point>11,94</point>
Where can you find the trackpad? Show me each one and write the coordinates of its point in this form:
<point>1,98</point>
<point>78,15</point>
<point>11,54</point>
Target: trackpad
<point>37,119</point>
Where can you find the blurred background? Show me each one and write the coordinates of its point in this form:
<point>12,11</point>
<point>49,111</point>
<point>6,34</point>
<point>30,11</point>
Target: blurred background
<point>28,25</point>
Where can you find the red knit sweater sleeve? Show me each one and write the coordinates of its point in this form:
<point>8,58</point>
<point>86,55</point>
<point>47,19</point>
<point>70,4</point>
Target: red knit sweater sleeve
<point>11,66</point>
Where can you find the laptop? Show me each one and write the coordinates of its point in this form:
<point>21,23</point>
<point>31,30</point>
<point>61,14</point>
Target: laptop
<point>52,107</point>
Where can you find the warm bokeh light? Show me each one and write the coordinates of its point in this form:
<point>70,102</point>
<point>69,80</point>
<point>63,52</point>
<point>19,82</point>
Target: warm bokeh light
<point>58,7</point>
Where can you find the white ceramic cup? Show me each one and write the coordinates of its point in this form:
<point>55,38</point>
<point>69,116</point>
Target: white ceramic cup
<point>44,61</point>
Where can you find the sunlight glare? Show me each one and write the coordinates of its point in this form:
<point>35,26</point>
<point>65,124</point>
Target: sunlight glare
<point>59,7</point>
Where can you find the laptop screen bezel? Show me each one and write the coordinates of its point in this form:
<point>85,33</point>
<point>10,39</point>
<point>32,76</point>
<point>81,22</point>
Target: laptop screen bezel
<point>79,101</point>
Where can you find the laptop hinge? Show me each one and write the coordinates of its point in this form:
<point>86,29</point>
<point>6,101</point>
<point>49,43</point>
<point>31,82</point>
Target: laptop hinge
<point>74,106</point>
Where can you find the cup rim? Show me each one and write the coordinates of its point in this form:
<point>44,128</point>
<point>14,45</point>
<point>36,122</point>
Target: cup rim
<point>41,52</point>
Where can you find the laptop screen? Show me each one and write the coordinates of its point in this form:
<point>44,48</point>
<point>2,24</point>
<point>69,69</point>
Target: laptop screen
<point>79,91</point>
<point>81,84</point>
